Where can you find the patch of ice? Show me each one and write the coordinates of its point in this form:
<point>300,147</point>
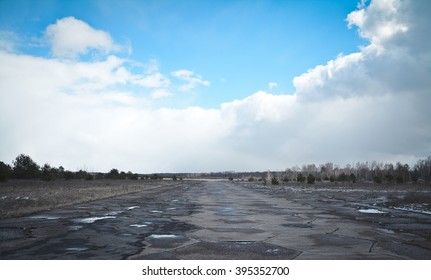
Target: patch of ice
<point>172,208</point>
<point>156,211</point>
<point>132,207</point>
<point>113,213</point>
<point>4,197</point>
<point>93,219</point>
<point>77,249</point>
<point>74,228</point>
<point>138,225</point>
<point>46,217</point>
<point>157,236</point>
<point>413,210</point>
<point>371,211</point>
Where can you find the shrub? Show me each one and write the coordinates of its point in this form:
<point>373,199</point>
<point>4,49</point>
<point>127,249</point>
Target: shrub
<point>311,179</point>
<point>300,178</point>
<point>69,175</point>
<point>274,181</point>
<point>47,173</point>
<point>377,179</point>
<point>5,171</point>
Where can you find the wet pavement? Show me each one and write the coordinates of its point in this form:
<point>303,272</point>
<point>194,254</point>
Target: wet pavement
<point>223,220</point>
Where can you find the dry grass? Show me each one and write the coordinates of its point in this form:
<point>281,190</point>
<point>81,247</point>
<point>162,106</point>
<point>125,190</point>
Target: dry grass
<point>21,197</point>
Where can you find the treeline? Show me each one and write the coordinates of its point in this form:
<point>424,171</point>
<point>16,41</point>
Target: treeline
<point>374,171</point>
<point>23,167</point>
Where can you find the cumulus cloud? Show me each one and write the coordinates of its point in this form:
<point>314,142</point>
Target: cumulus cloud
<point>70,37</point>
<point>373,104</point>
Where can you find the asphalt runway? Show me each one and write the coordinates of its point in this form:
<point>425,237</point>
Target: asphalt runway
<point>223,220</point>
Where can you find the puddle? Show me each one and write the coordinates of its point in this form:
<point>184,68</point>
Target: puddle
<point>77,249</point>
<point>132,207</point>
<point>93,219</point>
<point>156,211</point>
<point>158,236</point>
<point>45,217</point>
<point>371,211</point>
<point>138,225</point>
<point>384,230</point>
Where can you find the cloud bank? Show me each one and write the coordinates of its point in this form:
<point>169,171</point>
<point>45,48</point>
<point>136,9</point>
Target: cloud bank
<point>100,114</point>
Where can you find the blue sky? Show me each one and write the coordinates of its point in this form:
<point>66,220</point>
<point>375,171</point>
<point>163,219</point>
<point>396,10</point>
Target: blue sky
<point>238,46</point>
<point>200,86</point>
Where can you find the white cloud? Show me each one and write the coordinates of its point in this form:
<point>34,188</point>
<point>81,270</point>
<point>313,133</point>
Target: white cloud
<point>192,79</point>
<point>272,85</point>
<point>8,41</point>
<point>70,37</point>
<point>373,104</point>
<point>160,93</point>
<point>156,80</point>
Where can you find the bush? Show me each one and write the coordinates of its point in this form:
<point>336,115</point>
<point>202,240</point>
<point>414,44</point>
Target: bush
<point>5,171</point>
<point>274,181</point>
<point>311,179</point>
<point>69,175</point>
<point>377,179</point>
<point>47,173</point>
<point>300,178</point>
<point>352,178</point>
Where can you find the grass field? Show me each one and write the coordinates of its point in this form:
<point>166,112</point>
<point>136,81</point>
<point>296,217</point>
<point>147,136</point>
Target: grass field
<point>21,197</point>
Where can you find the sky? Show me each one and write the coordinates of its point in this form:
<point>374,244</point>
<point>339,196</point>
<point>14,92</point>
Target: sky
<point>200,86</point>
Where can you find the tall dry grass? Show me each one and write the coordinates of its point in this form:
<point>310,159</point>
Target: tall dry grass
<point>21,197</point>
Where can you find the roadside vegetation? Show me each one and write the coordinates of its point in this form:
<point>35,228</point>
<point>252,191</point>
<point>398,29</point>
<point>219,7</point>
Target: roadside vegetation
<point>24,167</point>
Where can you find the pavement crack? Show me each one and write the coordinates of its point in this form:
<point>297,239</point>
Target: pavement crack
<point>372,245</point>
<point>331,232</point>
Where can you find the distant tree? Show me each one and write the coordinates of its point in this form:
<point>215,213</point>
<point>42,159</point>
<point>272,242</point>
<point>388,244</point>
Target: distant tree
<point>81,174</point>
<point>311,179</point>
<point>122,175</point>
<point>69,175</point>
<point>377,179</point>
<point>47,173</point>
<point>113,174</point>
<point>389,177</point>
<point>352,178</point>
<point>5,171</point>
<point>300,178</point>
<point>343,177</point>
<point>274,181</point>
<point>25,168</point>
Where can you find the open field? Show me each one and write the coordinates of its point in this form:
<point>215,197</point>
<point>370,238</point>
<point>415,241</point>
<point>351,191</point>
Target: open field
<point>21,197</point>
<point>228,220</point>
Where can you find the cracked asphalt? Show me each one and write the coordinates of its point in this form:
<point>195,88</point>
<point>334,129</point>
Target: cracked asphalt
<point>223,220</point>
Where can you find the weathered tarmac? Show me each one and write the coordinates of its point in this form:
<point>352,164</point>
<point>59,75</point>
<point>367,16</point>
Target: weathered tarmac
<point>223,220</point>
